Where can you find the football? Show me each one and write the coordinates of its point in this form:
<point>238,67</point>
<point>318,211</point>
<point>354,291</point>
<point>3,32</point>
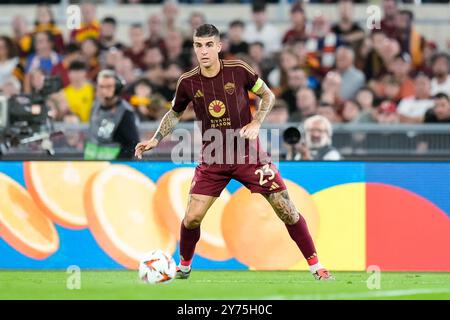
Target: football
<point>157,267</point>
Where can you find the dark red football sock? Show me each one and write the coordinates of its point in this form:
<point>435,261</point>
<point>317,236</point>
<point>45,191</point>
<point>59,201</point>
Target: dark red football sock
<point>188,240</point>
<point>300,234</point>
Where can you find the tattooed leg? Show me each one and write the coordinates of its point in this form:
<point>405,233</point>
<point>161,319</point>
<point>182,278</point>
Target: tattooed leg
<point>295,224</point>
<point>283,206</point>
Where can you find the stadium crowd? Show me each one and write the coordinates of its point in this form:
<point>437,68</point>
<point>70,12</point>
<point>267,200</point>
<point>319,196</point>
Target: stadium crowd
<point>341,70</point>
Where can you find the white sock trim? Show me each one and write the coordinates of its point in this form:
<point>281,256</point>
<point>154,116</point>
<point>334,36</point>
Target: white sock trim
<point>184,268</point>
<point>313,268</point>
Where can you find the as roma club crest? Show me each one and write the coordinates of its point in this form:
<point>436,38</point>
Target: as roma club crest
<point>216,108</point>
<point>229,88</point>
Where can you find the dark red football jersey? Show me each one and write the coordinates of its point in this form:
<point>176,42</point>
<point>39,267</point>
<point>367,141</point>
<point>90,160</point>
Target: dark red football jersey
<point>220,102</point>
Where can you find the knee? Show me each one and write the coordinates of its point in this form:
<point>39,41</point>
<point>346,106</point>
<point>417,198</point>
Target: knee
<point>192,221</point>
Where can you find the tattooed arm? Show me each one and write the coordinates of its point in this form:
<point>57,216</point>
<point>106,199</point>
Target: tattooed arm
<point>251,130</point>
<point>166,126</point>
<point>266,103</point>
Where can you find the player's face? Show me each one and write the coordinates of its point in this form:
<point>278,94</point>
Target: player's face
<point>207,50</point>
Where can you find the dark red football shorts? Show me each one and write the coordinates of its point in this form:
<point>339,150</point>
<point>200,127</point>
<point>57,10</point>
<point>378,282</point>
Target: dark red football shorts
<point>211,179</point>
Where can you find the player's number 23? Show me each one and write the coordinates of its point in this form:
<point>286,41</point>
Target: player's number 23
<point>265,170</point>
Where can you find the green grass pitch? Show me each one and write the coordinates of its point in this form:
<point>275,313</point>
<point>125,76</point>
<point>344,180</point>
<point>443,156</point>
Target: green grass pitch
<point>223,285</point>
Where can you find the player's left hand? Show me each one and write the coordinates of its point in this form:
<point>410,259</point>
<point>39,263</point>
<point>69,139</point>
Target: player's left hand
<point>250,131</point>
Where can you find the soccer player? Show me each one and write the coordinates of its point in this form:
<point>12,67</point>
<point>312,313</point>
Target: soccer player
<point>218,90</point>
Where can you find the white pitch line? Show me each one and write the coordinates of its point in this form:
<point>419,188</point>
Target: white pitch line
<point>360,295</point>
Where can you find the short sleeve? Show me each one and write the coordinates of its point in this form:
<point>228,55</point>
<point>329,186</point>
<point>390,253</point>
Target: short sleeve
<point>181,99</point>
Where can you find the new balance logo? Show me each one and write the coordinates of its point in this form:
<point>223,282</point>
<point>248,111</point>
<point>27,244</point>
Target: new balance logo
<point>199,94</point>
<point>274,186</point>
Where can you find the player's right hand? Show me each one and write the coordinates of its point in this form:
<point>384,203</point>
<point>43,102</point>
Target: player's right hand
<point>141,147</point>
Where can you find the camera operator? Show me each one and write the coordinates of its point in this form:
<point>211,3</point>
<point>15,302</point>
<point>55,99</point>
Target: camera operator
<point>317,144</point>
<point>113,131</point>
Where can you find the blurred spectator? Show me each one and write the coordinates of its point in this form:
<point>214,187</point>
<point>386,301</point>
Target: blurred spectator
<point>172,73</point>
<point>322,44</point>
<point>113,57</point>
<point>329,112</point>
<point>137,49</point>
<point>376,54</point>
<point>441,74</point>
<point>44,57</point>
<point>258,54</point>
<point>153,58</point>
<point>79,94</point>
<point>365,98</point>
<point>410,40</point>
<point>34,81</point>
<point>21,35</point>
<point>224,51</point>
<point>387,112</point>
<point>412,109</point>
<point>155,30</point>
<point>10,86</point>
<point>278,77</point>
<point>387,25</point>
<point>235,37</point>
<point>306,104</point>
<point>74,138</point>
<point>170,13</point>
<point>331,88</point>
<point>149,105</point>
<point>126,70</point>
<point>175,53</point>
<point>90,52</point>
<point>352,78</point>
<point>261,30</point>
<point>390,87</point>
<point>8,60</point>
<point>429,51</point>
<point>196,19</point>
<point>72,53</point>
<point>440,113</point>
<point>153,61</point>
<point>45,22</point>
<point>279,113</point>
<point>108,29</point>
<point>400,66</point>
<point>317,144</point>
<point>297,31</point>
<point>296,79</point>
<point>90,27</point>
<point>351,111</point>
<point>348,30</point>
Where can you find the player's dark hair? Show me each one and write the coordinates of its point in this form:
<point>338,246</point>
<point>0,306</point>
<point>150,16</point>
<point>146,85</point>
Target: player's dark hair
<point>77,65</point>
<point>206,30</point>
